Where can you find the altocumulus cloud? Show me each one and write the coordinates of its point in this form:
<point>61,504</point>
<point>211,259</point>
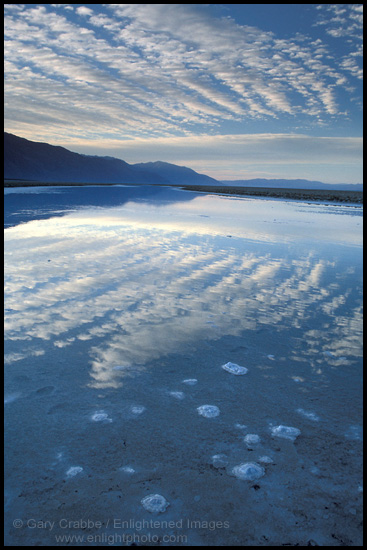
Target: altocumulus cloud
<point>152,71</point>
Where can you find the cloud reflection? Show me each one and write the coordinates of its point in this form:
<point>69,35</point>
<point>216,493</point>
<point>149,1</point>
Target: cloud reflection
<point>138,290</point>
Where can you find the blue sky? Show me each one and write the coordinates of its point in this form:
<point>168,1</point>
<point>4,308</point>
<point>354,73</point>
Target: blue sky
<point>235,91</point>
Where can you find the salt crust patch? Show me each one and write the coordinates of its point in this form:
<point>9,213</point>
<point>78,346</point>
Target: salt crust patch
<point>286,432</point>
<point>155,504</point>
<point>127,470</point>
<point>248,471</point>
<point>266,459</point>
<point>240,426</point>
<point>233,368</point>
<point>74,470</point>
<point>208,411</point>
<point>219,461</point>
<point>190,381</point>
<point>137,409</point>
<point>251,439</point>
<point>307,414</point>
<point>100,416</point>
<point>177,394</point>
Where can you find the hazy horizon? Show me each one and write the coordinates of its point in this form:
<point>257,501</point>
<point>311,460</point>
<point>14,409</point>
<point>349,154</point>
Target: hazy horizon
<point>233,91</point>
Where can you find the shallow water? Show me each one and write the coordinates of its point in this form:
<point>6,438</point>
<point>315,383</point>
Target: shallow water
<point>114,300</point>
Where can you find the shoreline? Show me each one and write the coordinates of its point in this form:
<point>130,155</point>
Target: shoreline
<point>323,195</point>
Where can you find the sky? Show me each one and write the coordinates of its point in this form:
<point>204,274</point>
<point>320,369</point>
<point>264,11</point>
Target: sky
<point>235,91</point>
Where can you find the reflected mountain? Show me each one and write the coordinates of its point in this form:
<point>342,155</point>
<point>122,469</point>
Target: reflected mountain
<point>24,204</point>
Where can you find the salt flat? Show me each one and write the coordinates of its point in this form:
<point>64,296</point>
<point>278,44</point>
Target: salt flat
<point>118,322</point>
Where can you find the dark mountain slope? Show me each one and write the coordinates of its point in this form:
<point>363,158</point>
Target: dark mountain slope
<point>30,160</point>
<point>24,159</point>
<point>175,174</point>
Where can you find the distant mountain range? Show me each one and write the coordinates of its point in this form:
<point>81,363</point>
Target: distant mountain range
<point>30,160</point>
<point>294,184</point>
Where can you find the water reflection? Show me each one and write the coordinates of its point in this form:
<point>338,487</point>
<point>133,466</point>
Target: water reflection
<point>23,204</point>
<point>144,280</point>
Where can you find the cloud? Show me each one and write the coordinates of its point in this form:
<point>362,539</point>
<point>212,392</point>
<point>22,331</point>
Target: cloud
<point>345,21</point>
<point>164,68</point>
<point>146,73</point>
<point>83,10</point>
<point>342,20</point>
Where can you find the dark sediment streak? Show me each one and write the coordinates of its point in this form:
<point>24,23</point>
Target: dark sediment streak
<point>323,195</point>
<point>332,195</point>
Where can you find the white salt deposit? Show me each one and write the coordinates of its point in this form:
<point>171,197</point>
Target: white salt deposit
<point>209,411</point>
<point>307,414</point>
<point>74,470</point>
<point>219,461</point>
<point>177,394</point>
<point>266,459</point>
<point>127,470</point>
<point>190,381</point>
<point>137,409</point>
<point>240,426</point>
<point>251,439</point>
<point>248,471</point>
<point>233,368</point>
<point>100,416</point>
<point>155,503</point>
<point>286,432</point>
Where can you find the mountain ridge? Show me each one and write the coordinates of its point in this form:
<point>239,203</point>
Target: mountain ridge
<point>38,161</point>
<point>168,170</point>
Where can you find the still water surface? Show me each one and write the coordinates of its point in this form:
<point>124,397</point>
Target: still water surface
<point>114,296</point>
<point>156,274</point>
